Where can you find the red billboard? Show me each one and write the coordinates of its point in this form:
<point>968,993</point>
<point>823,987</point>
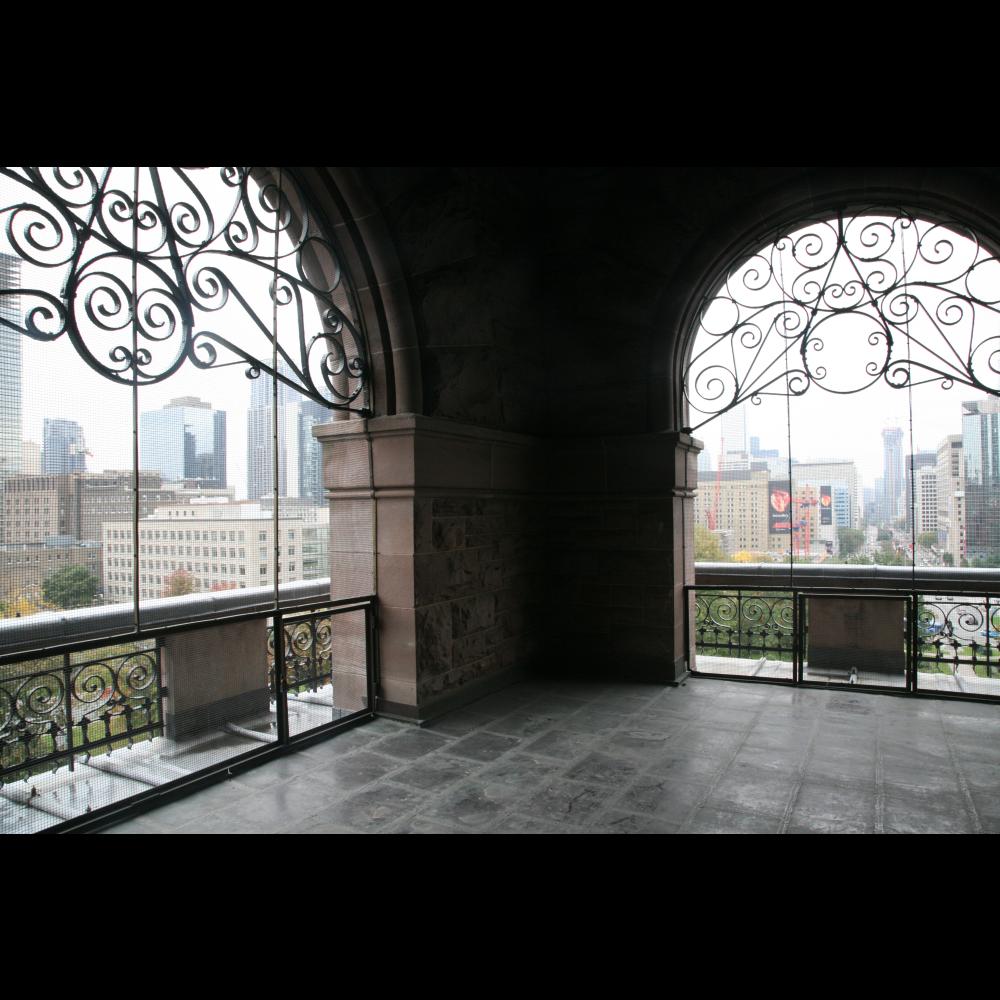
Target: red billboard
<point>779,506</point>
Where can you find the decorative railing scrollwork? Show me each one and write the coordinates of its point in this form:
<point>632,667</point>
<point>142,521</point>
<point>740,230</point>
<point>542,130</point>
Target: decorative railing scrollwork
<point>959,634</point>
<point>732,623</point>
<point>68,705</point>
<point>160,266</point>
<point>308,653</point>
<point>845,303</point>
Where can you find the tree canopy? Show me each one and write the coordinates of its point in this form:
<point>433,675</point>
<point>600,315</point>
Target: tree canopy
<point>70,587</point>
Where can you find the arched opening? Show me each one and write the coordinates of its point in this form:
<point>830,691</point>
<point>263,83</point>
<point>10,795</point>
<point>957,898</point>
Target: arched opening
<point>170,338</point>
<point>845,378</point>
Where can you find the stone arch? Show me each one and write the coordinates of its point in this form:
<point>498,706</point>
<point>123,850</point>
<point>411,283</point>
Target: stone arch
<point>371,259</point>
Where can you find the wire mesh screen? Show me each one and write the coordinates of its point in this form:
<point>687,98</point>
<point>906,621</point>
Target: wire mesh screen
<point>326,667</point>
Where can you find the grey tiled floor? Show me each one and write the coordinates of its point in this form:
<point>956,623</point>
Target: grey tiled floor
<point>709,757</point>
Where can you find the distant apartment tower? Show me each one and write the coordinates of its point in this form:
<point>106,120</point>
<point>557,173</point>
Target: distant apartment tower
<point>951,497</point>
<point>63,447</point>
<point>10,367</point>
<point>920,461</point>
<point>186,440</point>
<point>299,456</point>
<point>981,458</point>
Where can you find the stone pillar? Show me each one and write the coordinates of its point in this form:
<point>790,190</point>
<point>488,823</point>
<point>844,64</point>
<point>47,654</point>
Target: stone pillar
<point>457,513</point>
<point>621,549</point>
<point>215,675</point>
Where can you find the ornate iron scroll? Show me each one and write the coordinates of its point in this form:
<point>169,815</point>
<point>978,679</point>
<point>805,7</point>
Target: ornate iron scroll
<point>958,632</point>
<point>179,264</point>
<point>61,707</point>
<point>733,623</point>
<point>890,298</point>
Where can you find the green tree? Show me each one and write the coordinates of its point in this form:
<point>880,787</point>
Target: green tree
<point>707,547</point>
<point>884,535</point>
<point>927,539</point>
<point>178,583</point>
<point>70,587</point>
<point>850,539</point>
<point>948,559</point>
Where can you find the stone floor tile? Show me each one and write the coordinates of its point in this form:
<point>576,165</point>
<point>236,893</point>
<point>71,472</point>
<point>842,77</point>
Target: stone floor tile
<point>604,769</point>
<point>412,744</point>
<point>673,801</point>
<point>366,811</point>
<point>435,772</point>
<point>616,821</point>
<point>753,790</point>
<point>711,819</point>
<point>834,808</point>
<point>568,802</point>
<point>563,744</point>
<point>345,774</point>
<point>459,723</point>
<point>522,769</point>
<point>473,806</point>
<point>483,746</point>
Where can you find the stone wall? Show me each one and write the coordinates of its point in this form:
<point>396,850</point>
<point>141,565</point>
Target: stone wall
<point>459,553</point>
<point>620,542</point>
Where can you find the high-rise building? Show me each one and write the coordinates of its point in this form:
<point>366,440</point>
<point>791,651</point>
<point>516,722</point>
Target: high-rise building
<point>10,367</point>
<point>951,498</point>
<point>63,447</point>
<point>892,472</point>
<point>981,457</point>
<point>299,457</point>
<point>917,462</point>
<point>186,440</point>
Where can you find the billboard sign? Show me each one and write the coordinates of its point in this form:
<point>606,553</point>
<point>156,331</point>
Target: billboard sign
<point>779,507</point>
<point>825,505</point>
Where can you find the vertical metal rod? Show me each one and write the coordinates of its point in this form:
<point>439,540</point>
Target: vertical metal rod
<point>280,687</point>
<point>67,670</point>
<point>135,397</point>
<point>371,653</point>
<point>280,693</point>
<point>274,399</point>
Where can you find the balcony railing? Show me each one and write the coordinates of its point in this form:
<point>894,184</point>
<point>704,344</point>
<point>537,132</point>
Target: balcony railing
<point>92,726</point>
<point>925,630</point>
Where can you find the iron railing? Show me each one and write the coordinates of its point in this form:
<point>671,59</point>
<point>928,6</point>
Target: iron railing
<point>92,701</point>
<point>60,707</point>
<point>948,639</point>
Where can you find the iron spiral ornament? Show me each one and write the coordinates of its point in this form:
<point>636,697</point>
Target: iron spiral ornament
<point>841,304</point>
<point>160,267</point>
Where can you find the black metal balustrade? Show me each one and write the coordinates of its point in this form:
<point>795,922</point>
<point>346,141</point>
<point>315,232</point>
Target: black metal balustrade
<point>92,701</point>
<point>81,707</point>
<point>947,642</point>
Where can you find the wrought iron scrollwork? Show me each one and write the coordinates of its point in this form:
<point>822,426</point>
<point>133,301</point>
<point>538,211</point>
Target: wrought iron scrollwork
<point>738,624</point>
<point>60,708</point>
<point>170,265</point>
<point>895,298</point>
<point>958,632</point>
